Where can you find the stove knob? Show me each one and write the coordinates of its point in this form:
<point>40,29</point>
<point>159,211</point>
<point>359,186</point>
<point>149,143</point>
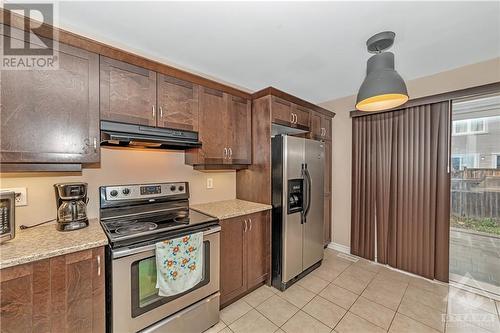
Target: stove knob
<point>126,191</point>
<point>113,193</point>
<point>173,188</point>
<point>181,188</point>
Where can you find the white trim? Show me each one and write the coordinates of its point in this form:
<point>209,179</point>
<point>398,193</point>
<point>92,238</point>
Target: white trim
<point>494,160</point>
<point>339,247</point>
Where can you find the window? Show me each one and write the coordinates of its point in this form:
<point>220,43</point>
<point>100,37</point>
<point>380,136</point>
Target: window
<point>459,162</point>
<point>469,126</point>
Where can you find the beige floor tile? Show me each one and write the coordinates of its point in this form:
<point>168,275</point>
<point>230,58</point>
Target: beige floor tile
<point>297,295</point>
<point>301,322</point>
<point>325,311</point>
<point>313,283</point>
<point>226,330</point>
<point>354,324</point>
<point>330,253</point>
<point>368,265</point>
<point>234,311</point>
<point>339,296</point>
<point>393,274</point>
<point>253,322</point>
<point>216,328</point>
<point>423,313</point>
<point>386,293</point>
<point>434,300</point>
<point>404,324</point>
<point>375,313</point>
<point>354,279</point>
<point>258,296</point>
<point>430,286</point>
<point>329,271</point>
<point>277,310</point>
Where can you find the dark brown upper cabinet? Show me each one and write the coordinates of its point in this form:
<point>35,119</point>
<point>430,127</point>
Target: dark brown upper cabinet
<point>213,126</point>
<point>239,141</point>
<point>224,130</point>
<point>177,103</point>
<point>128,93</point>
<point>50,118</point>
<point>321,127</point>
<point>289,114</point>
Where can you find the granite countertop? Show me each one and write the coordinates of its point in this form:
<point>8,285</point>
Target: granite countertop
<point>230,208</point>
<point>45,241</point>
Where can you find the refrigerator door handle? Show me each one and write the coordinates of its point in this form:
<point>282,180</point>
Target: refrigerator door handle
<point>304,196</point>
<point>309,181</point>
<point>307,193</point>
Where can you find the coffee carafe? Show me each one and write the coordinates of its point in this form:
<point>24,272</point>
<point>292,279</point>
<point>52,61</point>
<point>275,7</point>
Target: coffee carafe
<point>71,201</point>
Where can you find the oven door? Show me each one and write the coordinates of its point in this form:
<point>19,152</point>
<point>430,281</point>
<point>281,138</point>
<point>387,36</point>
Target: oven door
<point>135,301</point>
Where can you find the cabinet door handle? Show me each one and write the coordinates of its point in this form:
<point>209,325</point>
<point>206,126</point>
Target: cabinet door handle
<point>245,226</point>
<point>153,111</point>
<point>98,265</point>
<point>230,152</point>
<point>250,220</point>
<point>291,117</point>
<point>295,117</point>
<point>225,152</point>
<point>161,112</point>
<point>95,144</point>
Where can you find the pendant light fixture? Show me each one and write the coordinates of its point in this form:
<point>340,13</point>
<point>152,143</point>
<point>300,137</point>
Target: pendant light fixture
<point>383,88</point>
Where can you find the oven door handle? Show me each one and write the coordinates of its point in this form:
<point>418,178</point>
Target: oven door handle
<point>127,251</point>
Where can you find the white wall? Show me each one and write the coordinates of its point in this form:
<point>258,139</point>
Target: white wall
<point>118,166</point>
<point>460,78</point>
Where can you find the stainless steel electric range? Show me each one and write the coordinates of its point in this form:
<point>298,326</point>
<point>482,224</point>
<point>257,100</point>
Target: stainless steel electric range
<point>135,218</point>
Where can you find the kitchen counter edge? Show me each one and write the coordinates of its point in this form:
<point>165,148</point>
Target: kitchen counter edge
<point>44,242</point>
<point>230,208</point>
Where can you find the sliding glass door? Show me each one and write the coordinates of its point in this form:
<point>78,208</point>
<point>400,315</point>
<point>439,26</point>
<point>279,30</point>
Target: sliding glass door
<point>475,193</point>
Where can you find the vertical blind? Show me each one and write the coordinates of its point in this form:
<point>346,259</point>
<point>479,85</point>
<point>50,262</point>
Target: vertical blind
<point>401,189</point>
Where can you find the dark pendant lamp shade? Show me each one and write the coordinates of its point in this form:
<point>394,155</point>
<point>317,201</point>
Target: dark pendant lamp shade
<point>383,88</point>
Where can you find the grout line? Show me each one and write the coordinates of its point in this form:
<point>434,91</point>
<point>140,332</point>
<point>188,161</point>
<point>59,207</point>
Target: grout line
<point>317,294</point>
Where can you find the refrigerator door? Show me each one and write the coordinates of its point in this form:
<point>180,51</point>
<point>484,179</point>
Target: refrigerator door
<point>293,151</point>
<point>314,198</point>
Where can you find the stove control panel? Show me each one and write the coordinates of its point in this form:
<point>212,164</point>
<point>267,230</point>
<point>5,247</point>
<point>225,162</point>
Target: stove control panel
<point>145,191</point>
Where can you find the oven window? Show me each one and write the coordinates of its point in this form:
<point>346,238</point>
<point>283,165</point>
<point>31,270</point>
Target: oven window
<point>148,293</point>
<point>144,292</point>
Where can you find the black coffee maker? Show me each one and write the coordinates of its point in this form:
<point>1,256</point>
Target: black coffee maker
<point>71,199</point>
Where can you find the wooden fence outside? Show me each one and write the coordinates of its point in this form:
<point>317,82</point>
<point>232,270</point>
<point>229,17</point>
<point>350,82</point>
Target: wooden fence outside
<point>475,193</point>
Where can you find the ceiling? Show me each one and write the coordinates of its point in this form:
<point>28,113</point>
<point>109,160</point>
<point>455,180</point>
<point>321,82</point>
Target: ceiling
<point>313,50</point>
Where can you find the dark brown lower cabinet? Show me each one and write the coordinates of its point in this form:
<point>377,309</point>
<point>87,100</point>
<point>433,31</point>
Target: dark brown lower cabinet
<point>60,294</point>
<point>245,254</point>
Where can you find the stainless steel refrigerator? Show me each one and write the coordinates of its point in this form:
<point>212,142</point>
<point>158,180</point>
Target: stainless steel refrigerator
<point>297,194</point>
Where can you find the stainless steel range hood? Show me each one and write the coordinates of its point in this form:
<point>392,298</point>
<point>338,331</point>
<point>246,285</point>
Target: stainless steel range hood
<point>138,136</point>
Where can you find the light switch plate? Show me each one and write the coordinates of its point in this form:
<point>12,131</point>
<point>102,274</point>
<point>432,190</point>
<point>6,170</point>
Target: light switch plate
<point>21,195</point>
<point>210,183</point>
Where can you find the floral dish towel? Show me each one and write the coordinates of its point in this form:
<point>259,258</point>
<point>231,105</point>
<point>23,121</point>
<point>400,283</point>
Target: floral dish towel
<point>179,264</point>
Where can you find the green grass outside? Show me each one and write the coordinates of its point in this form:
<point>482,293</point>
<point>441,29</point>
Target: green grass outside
<point>488,225</point>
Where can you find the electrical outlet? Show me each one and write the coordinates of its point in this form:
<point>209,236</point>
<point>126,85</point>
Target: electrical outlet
<point>210,183</point>
<point>21,196</point>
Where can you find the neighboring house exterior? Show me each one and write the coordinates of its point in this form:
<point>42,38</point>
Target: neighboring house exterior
<point>476,134</point>
<point>476,143</point>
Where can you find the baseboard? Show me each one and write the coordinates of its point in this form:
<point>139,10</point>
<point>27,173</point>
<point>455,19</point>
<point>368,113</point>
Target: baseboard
<point>339,247</point>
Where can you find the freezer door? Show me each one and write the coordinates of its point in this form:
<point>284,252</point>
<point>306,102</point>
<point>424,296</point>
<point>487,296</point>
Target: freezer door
<point>314,197</point>
<point>293,150</point>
